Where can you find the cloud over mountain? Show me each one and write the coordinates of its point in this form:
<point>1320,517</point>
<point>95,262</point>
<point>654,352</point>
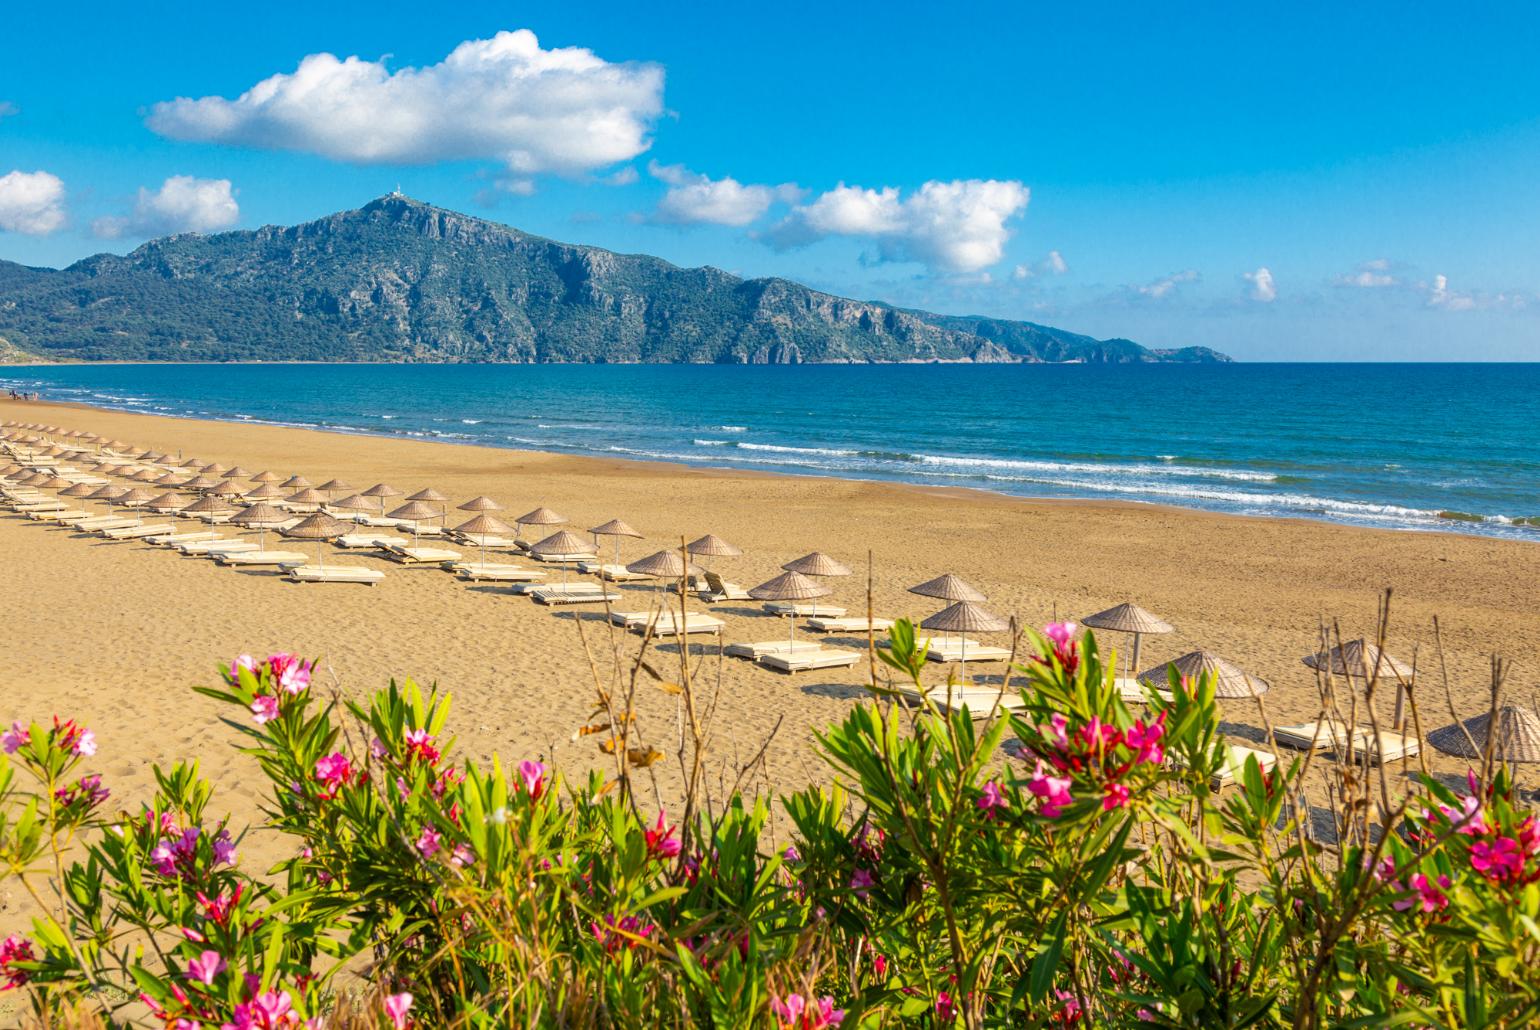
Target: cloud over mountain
<point>564,110</point>
<point>694,198</point>
<point>182,204</point>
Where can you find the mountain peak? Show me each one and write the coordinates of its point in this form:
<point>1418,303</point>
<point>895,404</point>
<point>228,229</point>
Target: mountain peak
<point>402,280</point>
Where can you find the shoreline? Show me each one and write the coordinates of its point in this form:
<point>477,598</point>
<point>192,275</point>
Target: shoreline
<point>734,470</point>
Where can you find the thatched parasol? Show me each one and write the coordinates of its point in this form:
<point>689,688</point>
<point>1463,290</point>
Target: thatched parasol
<point>712,546</point>
<point>1518,736</point>
<point>209,505</point>
<point>136,499</point>
<point>664,566</point>
<point>296,483</point>
<point>200,483</point>
<point>483,526</point>
<point>171,479</point>
<point>309,495</point>
<point>320,527</point>
<point>167,503</point>
<point>260,516</point>
<point>79,490</point>
<point>228,488</point>
<point>948,588</point>
<point>966,617</point>
<point>416,513</point>
<point>382,491</point>
<point>1361,660</point>
<point>110,494</point>
<point>238,473</point>
<point>432,496</point>
<point>541,516</point>
<point>562,542</point>
<point>790,586</point>
<point>482,503</point>
<point>1230,680</point>
<point>817,564</point>
<point>266,477</point>
<point>266,492</point>
<point>336,486</point>
<point>616,528</point>
<point>1129,618</point>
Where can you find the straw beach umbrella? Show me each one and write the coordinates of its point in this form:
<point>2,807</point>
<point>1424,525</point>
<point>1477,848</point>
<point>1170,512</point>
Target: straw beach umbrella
<point>1517,736</point>
<point>817,564</point>
<point>238,473</point>
<point>616,528</point>
<point>167,503</point>
<point>948,588</point>
<point>1129,618</point>
<point>336,486</point>
<point>1362,661</point>
<point>109,494</point>
<point>380,491</point>
<point>480,528</point>
<point>296,483</point>
<point>265,492</point>
<point>136,499</point>
<point>790,586</point>
<point>541,516</point>
<point>209,505</point>
<point>260,516</point>
<point>266,477</point>
<point>200,483</point>
<point>228,488</point>
<point>1230,680</point>
<point>712,546</point>
<point>560,543</point>
<point>415,512</point>
<point>662,565</point>
<point>479,504</point>
<point>308,497</point>
<point>319,527</point>
<point>966,617</point>
<point>432,496</point>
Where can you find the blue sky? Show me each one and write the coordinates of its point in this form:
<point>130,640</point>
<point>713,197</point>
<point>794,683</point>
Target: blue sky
<point>1283,183</point>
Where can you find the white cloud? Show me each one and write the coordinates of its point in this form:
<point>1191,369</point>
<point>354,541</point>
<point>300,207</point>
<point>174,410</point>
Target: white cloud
<point>1262,286</point>
<point>31,203</point>
<point>7,109</point>
<point>623,176</point>
<point>182,204</point>
<point>1054,263</point>
<point>694,198</point>
<point>1164,287</point>
<point>1021,272</point>
<point>1441,296</point>
<point>564,110</point>
<point>1370,275</point>
<point>956,226</point>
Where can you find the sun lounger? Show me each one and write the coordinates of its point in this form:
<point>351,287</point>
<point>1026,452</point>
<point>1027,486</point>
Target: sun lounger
<point>613,573</point>
<point>555,594</point>
<point>849,624</point>
<point>491,543</point>
<point>764,647</point>
<point>28,507</point>
<point>67,515</point>
<point>261,557</point>
<point>560,559</point>
<point>205,548</point>
<point>714,588</point>
<point>335,574</point>
<point>664,622</point>
<point>136,532</point>
<point>804,611</point>
<point>954,651</point>
<point>1130,689</point>
<point>97,524</point>
<point>474,571</point>
<point>172,539</point>
<point>980,699</point>
<point>420,555</point>
<point>377,522</point>
<point>823,658</point>
<point>1332,735</point>
<point>371,541</point>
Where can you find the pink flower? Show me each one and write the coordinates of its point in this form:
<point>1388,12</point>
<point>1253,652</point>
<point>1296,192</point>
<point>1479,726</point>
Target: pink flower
<point>1500,860</point>
<point>1053,790</point>
<point>14,949</point>
<point>1061,633</point>
<point>396,1007</point>
<point>862,882</point>
<point>224,849</point>
<point>335,771</point>
<point>534,778</point>
<point>946,1008</point>
<point>624,933</point>
<point>245,661</point>
<point>991,799</point>
<point>264,709</point>
<point>377,749</point>
<point>1114,795</point>
<point>1055,730</point>
<point>419,744</point>
<point>462,856</point>
<point>15,738</point>
<point>661,842</point>
<point>292,673</point>
<point>1145,739</point>
<point>72,737</point>
<point>428,842</point>
<point>1430,897</point>
<point>797,1013</point>
<point>1069,1008</point>
<point>206,967</point>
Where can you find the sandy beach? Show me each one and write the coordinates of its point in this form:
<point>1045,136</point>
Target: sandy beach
<point>114,634</point>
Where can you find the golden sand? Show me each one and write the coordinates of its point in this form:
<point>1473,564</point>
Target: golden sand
<point>114,633</point>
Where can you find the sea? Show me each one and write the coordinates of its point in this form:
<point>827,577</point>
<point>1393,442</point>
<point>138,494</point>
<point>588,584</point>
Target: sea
<point>1452,447</point>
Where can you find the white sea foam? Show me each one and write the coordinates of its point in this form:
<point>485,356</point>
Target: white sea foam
<point>732,429</point>
<point>828,452</point>
<point>471,421</point>
<point>710,443</point>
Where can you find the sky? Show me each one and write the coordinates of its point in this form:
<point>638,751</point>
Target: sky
<point>1307,182</point>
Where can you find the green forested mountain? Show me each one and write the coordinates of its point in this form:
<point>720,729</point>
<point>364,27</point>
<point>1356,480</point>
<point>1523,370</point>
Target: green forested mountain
<point>399,280</point>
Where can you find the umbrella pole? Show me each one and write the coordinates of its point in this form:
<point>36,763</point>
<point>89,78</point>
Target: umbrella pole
<point>1134,671</point>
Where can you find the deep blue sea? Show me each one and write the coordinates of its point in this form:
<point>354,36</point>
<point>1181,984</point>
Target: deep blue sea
<point>1375,445</point>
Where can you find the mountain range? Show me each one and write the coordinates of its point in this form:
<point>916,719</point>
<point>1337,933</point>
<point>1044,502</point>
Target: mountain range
<point>402,281</point>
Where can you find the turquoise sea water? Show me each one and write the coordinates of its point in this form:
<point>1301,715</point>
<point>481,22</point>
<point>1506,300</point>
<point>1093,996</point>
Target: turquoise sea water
<point>1378,445</point>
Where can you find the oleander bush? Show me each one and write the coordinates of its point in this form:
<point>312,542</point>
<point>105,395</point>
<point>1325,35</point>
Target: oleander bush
<point>1065,862</point>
